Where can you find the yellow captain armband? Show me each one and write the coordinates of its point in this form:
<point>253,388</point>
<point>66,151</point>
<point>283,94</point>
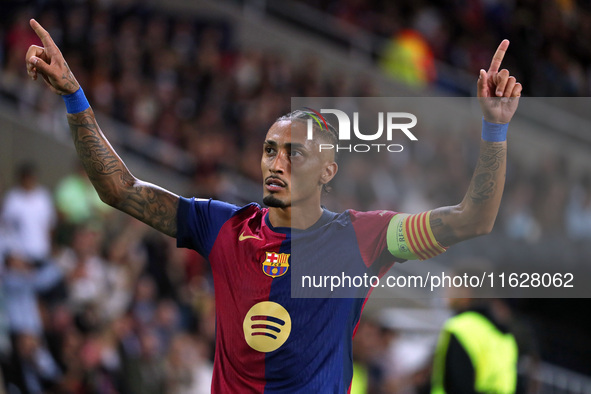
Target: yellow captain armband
<point>410,237</point>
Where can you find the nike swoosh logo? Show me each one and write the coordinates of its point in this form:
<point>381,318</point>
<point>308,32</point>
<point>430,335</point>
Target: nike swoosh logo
<point>242,237</point>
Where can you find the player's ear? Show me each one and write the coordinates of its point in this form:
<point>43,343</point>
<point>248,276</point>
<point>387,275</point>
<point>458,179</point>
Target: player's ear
<point>329,171</point>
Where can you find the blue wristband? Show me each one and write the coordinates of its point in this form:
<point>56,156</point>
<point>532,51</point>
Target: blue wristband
<point>76,102</point>
<point>494,132</point>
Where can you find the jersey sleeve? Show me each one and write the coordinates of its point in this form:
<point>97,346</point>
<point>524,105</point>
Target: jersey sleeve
<point>199,222</point>
<point>371,230</point>
<point>410,237</point>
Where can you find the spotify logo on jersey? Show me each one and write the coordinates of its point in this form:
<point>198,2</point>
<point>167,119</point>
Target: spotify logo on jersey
<point>266,326</point>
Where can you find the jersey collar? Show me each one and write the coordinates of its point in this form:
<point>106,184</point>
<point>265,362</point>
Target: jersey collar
<point>324,219</point>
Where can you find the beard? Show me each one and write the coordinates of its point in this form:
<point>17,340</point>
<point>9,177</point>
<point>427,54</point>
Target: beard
<point>273,202</point>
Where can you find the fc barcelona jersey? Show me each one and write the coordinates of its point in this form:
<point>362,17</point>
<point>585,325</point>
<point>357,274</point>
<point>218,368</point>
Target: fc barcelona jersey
<point>266,340</point>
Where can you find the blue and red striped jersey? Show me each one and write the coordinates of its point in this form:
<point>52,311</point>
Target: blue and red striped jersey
<point>266,340</point>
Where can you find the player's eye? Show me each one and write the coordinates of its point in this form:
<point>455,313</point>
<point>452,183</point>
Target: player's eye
<point>295,153</point>
<point>269,150</point>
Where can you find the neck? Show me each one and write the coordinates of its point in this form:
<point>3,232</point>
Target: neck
<point>299,218</point>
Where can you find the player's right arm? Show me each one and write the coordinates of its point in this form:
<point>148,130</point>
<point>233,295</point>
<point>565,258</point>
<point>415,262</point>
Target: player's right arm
<point>110,177</point>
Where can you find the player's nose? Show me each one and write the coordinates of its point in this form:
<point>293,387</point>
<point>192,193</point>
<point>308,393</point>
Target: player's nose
<point>280,162</point>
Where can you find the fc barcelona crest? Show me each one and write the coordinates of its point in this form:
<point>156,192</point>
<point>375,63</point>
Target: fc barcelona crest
<point>276,264</point>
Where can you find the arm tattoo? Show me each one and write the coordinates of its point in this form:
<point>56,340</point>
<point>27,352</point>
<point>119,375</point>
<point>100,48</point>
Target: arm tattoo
<point>113,181</point>
<point>451,225</point>
<point>70,82</point>
<point>486,176</point>
<point>152,205</point>
<point>442,230</point>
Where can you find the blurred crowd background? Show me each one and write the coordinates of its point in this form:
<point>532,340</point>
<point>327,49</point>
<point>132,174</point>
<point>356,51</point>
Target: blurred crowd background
<point>550,51</point>
<point>93,301</point>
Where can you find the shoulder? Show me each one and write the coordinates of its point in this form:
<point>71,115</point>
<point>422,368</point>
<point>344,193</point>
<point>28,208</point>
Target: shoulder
<point>467,321</point>
<point>199,221</point>
<point>214,206</point>
<point>251,209</point>
<point>370,217</point>
<point>215,212</point>
<point>358,219</point>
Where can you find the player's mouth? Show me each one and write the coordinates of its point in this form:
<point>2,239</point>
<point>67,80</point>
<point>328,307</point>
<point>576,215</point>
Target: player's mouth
<point>274,184</point>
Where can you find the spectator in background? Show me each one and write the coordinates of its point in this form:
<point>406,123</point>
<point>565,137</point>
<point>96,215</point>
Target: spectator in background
<point>408,58</point>
<point>187,371</point>
<point>76,200</point>
<point>84,269</point>
<point>368,349</point>
<point>145,373</point>
<point>20,285</point>
<point>16,40</point>
<point>520,223</point>
<point>578,211</point>
<point>125,261</point>
<point>166,322</point>
<point>28,215</point>
<point>144,304</point>
<point>32,369</point>
<point>476,352</point>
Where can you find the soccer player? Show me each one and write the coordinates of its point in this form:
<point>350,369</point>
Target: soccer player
<point>266,340</point>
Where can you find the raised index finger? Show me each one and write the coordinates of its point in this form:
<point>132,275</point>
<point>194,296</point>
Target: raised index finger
<point>42,34</point>
<point>495,64</point>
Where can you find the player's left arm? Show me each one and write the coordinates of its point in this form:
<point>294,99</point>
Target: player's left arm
<point>498,94</point>
<point>427,234</point>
